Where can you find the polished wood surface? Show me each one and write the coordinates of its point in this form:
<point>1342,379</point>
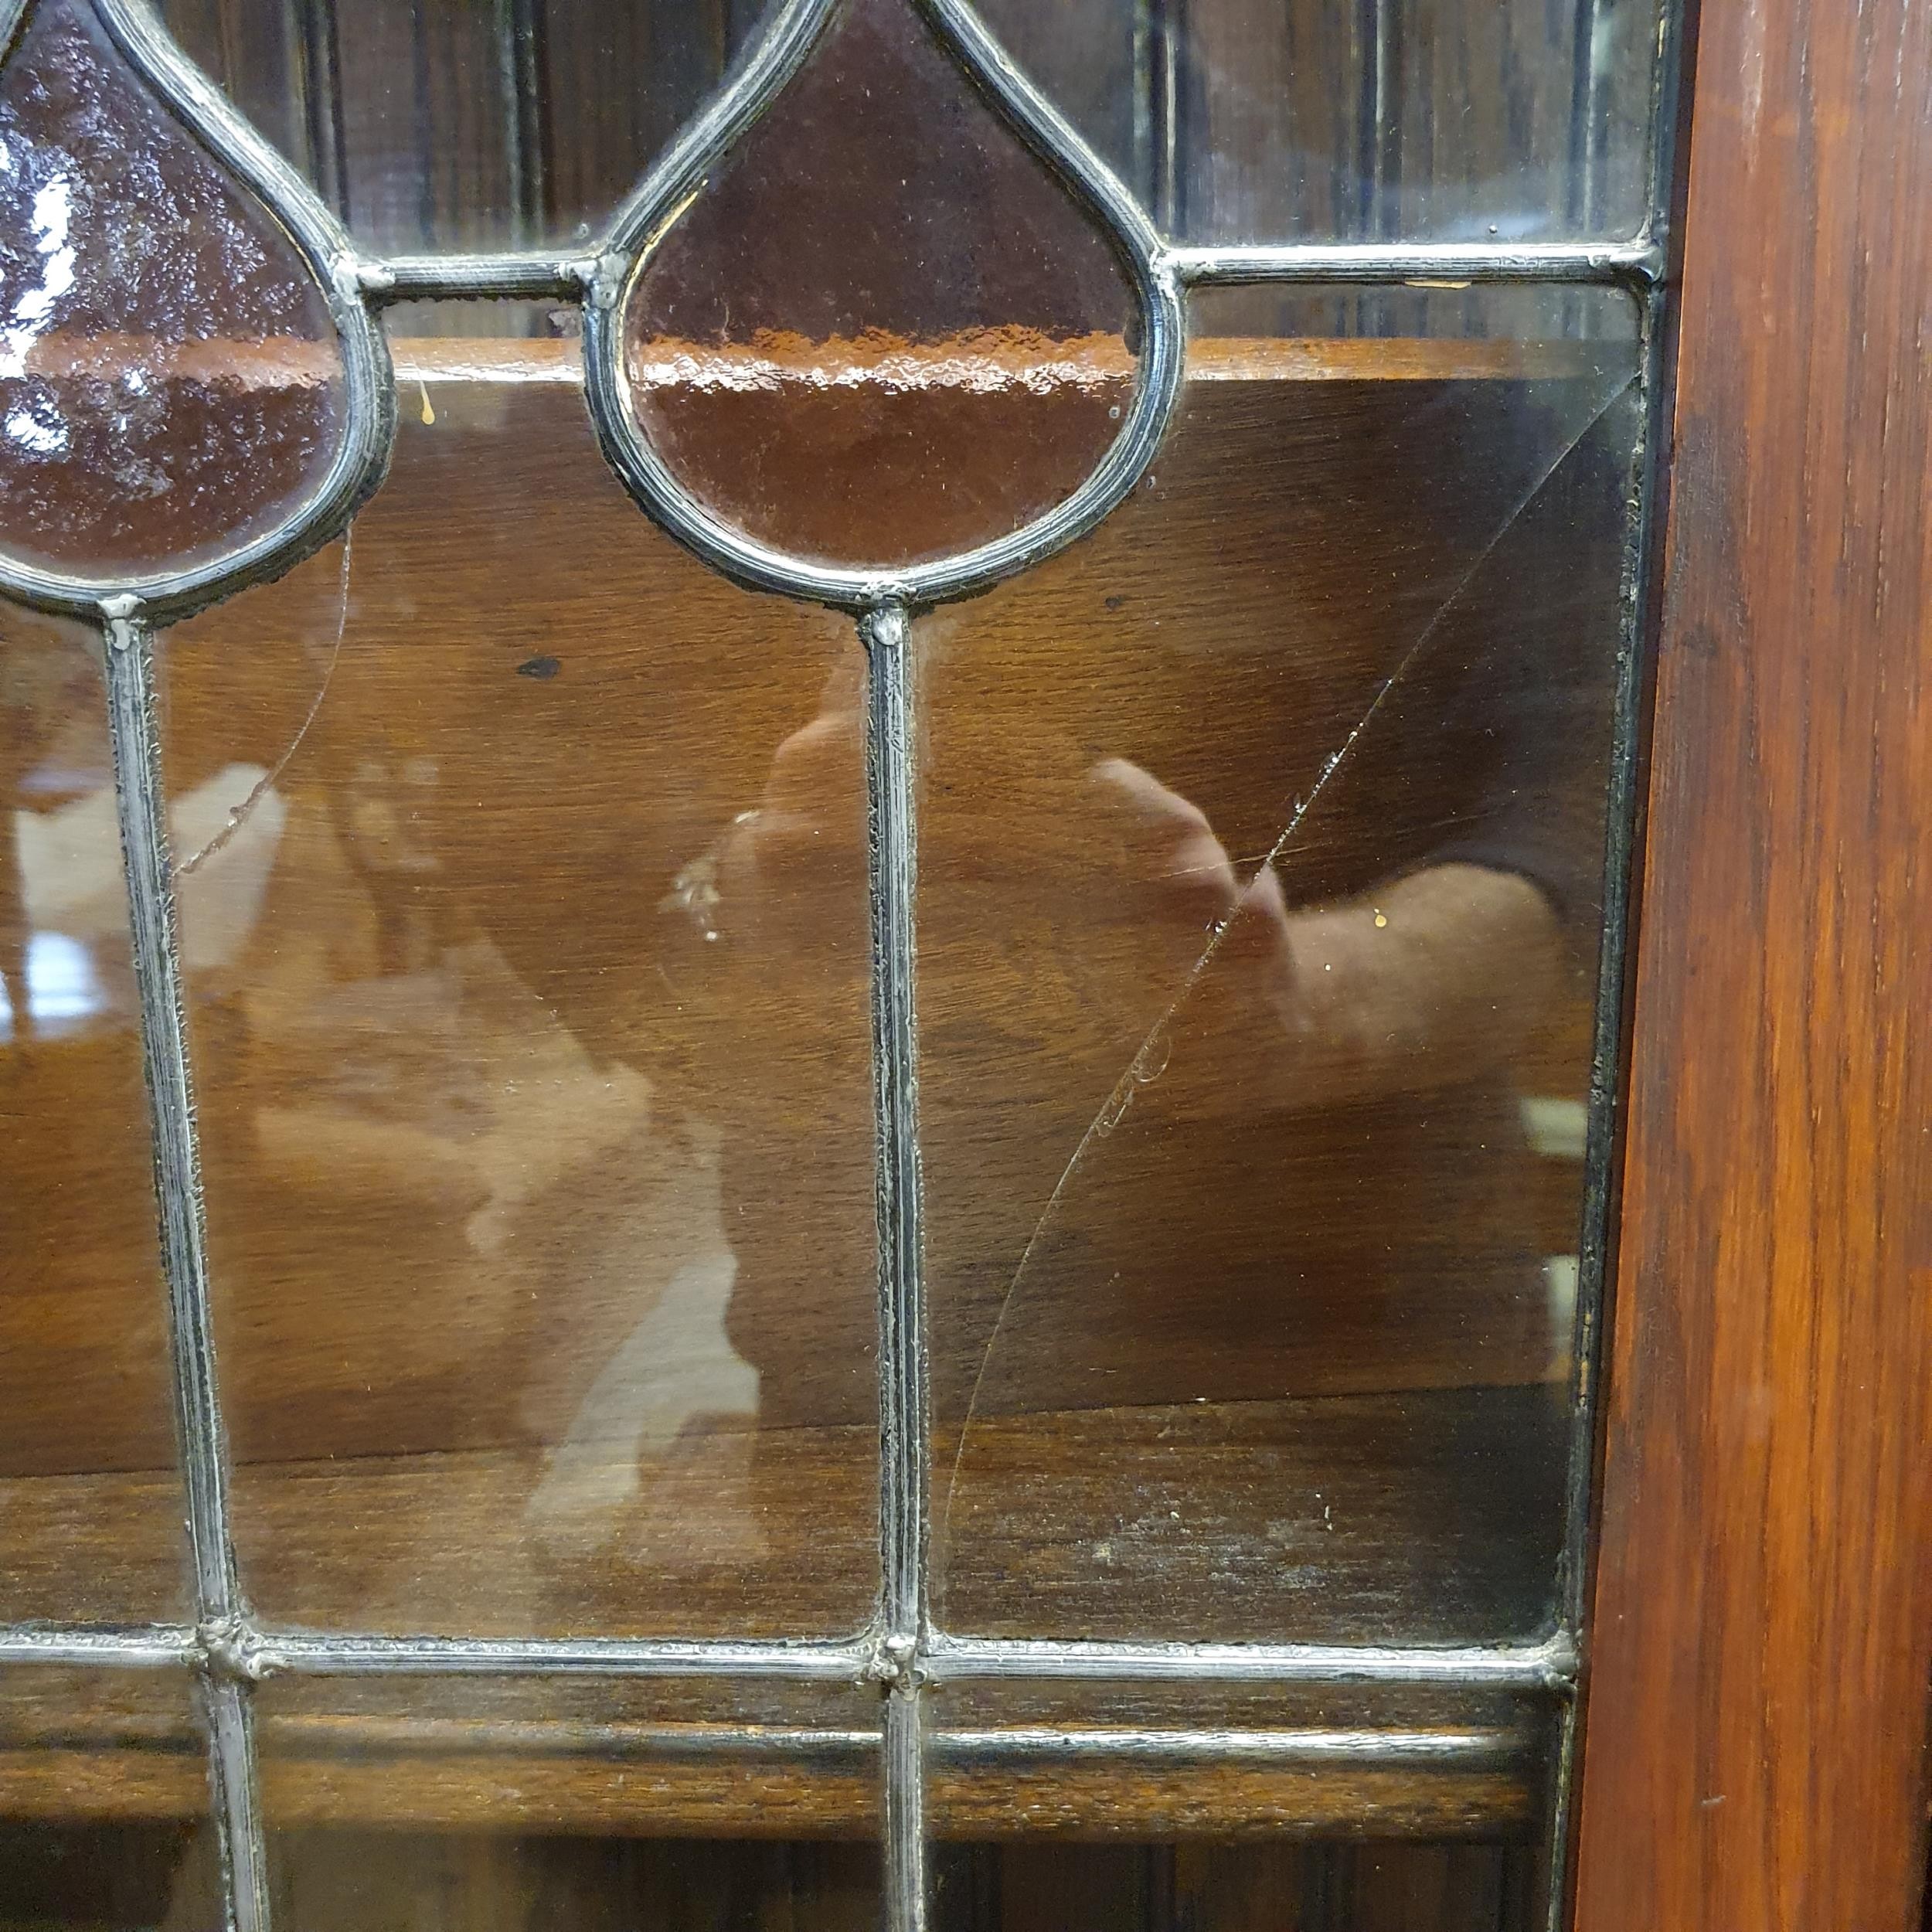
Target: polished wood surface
<point>1756,1738</point>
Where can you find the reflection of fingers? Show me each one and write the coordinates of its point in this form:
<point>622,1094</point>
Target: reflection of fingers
<point>845,688</point>
<point>1168,849</point>
<point>1138,798</point>
<point>1196,884</point>
<point>818,756</point>
<point>818,774</point>
<point>785,844</point>
<point>364,1165</point>
<point>1259,927</point>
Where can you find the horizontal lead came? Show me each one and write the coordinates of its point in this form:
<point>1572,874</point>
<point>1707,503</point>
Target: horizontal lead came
<point>1640,261</point>
<point>145,1647</point>
<point>480,278</point>
<point>1550,1666</point>
<point>1034,1742</point>
<point>309,1654</point>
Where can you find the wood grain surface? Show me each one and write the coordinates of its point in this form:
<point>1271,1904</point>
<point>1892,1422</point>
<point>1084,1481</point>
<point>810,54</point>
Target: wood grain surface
<point>1755,1754</point>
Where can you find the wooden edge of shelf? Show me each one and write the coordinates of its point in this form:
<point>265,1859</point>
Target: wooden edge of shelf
<point>985,360</point>
<point>668,1781</point>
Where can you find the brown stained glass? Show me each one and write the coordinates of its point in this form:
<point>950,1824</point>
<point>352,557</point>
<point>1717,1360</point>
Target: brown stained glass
<point>170,381</point>
<point>884,332</point>
<point>90,1500</point>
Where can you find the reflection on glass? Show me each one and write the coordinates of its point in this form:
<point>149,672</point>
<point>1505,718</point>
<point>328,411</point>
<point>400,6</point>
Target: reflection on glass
<point>532,1052</point>
<point>104,1804</point>
<point>1469,119</point>
<point>89,1502</point>
<point>1158,1761</point>
<point>573,1803</point>
<point>912,342</point>
<point>170,382</point>
<point>1261,842</point>
<point>431,127</point>
<point>442,127</point>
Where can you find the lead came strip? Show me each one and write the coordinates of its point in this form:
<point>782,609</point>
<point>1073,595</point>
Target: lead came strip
<point>903,1490</point>
<point>135,734</point>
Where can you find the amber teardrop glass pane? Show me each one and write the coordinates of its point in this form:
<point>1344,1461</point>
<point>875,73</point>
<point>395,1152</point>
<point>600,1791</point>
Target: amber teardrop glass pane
<point>884,332</point>
<point>171,381</point>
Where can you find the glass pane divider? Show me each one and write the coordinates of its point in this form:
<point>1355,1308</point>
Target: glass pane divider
<point>567,277</point>
<point>312,1653</point>
<point>904,1528</point>
<point>1639,261</point>
<point>135,734</point>
<point>396,278</point>
<point>1552,1665</point>
<point>147,1647</point>
<point>255,1652</point>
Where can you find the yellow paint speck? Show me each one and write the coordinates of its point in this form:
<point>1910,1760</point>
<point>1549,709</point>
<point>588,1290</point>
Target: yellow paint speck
<point>1382,919</point>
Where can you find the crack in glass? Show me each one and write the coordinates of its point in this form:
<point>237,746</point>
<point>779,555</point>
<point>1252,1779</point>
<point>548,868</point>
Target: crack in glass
<point>1256,893</point>
<point>194,395</point>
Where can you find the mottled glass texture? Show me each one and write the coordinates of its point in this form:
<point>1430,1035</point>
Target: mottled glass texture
<point>884,332</point>
<point>171,382</point>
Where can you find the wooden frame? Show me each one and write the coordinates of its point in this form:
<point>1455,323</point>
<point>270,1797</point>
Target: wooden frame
<point>1755,1754</point>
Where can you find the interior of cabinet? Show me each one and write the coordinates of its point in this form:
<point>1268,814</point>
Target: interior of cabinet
<point>387,1447</point>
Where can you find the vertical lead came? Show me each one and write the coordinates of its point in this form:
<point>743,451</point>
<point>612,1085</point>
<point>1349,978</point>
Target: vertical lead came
<point>135,734</point>
<point>885,632</point>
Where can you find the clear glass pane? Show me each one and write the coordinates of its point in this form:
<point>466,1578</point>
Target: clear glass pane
<point>170,379</point>
<point>1227,1807</point>
<point>439,127</point>
<point>104,1804</point>
<point>1182,1759</point>
<point>1258,942</point>
<point>90,1502</point>
<point>533,1049</point>
<point>1369,1886</point>
<point>884,332</point>
<point>580,1803</point>
<point>1251,120</point>
<point>494,126</point>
